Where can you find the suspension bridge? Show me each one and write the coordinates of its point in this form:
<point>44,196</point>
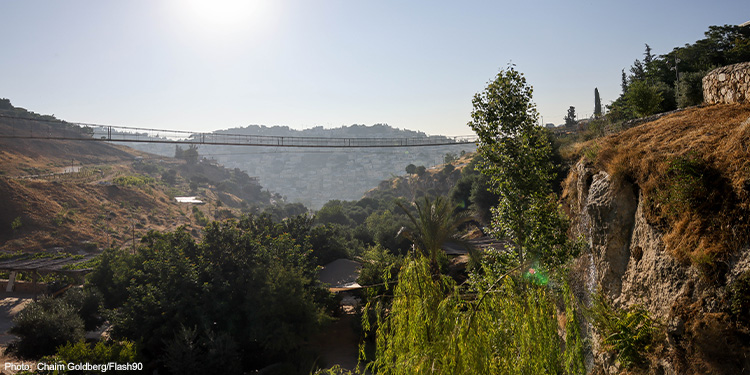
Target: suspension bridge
<point>44,129</point>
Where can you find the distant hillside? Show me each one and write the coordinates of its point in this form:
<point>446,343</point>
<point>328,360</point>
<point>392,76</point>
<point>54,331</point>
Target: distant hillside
<point>87,195</point>
<point>434,181</point>
<point>315,176</point>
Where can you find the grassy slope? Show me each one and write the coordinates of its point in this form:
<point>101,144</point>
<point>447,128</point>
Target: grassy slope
<point>693,169</point>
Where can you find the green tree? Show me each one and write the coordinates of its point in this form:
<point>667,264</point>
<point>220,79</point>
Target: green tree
<point>190,155</point>
<point>597,103</point>
<point>505,328</point>
<point>648,57</point>
<point>509,326</point>
<point>44,325</point>
<point>637,71</point>
<point>570,118</point>
<point>411,169</point>
<point>645,99</point>
<point>216,287</point>
<point>436,223</point>
<point>384,227</point>
<point>690,89</point>
<point>517,156</point>
<point>421,170</point>
<point>333,212</point>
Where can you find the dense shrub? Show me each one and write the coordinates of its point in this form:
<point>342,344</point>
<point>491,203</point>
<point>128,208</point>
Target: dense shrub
<point>507,327</point>
<point>87,304</point>
<point>739,298</point>
<point>249,284</point>
<point>190,353</point>
<point>690,89</point>
<point>628,333</point>
<point>124,352</point>
<point>136,180</point>
<point>44,325</point>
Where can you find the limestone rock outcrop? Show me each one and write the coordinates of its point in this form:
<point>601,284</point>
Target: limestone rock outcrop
<point>728,84</point>
<point>629,263</point>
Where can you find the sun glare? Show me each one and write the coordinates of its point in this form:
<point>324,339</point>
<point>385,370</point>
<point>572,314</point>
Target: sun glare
<point>221,18</point>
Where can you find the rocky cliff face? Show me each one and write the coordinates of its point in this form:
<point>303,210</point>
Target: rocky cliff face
<point>629,263</point>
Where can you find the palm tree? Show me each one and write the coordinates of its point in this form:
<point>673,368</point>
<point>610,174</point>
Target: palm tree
<point>435,224</point>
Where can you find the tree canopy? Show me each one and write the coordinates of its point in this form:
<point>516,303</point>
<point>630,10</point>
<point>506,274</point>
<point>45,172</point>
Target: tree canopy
<point>517,156</point>
<point>251,284</point>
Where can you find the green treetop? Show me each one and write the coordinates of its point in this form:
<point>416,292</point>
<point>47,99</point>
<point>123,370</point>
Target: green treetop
<point>517,157</point>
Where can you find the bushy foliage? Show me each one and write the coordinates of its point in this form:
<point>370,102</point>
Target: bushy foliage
<point>190,155</point>
<point>690,89</point>
<point>136,180</point>
<point>282,211</point>
<point>379,266</point>
<point>333,212</point>
<point>200,217</point>
<point>331,242</point>
<point>411,169</point>
<point>571,117</point>
<point>508,327</point>
<point>686,187</point>
<point>384,227</point>
<point>102,352</point>
<point>629,333</point>
<point>472,192</point>
<point>217,286</point>
<point>189,353</point>
<point>644,99</point>
<point>517,157</point>
<point>450,157</point>
<point>44,325</point>
<point>738,298</point>
<point>87,303</point>
<point>434,224</point>
<point>16,224</point>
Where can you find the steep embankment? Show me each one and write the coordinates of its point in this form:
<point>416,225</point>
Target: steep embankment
<point>87,195</point>
<point>665,207</point>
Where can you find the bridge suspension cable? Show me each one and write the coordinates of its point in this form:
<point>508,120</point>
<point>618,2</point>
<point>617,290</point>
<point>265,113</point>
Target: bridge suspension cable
<point>44,129</point>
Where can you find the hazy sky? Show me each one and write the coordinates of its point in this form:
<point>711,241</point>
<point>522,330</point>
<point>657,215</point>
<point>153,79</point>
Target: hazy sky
<point>214,64</point>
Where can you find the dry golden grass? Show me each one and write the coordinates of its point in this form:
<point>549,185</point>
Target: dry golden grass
<point>693,169</point>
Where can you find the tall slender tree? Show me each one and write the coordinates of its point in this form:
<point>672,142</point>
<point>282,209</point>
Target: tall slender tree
<point>517,156</point>
<point>570,118</point>
<point>597,103</point>
<point>648,57</point>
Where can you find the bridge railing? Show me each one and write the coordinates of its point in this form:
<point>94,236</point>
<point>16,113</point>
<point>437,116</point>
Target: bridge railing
<point>55,129</point>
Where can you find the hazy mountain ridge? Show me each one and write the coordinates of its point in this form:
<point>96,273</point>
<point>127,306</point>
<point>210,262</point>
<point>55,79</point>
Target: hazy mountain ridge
<point>355,130</point>
<point>315,176</point>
